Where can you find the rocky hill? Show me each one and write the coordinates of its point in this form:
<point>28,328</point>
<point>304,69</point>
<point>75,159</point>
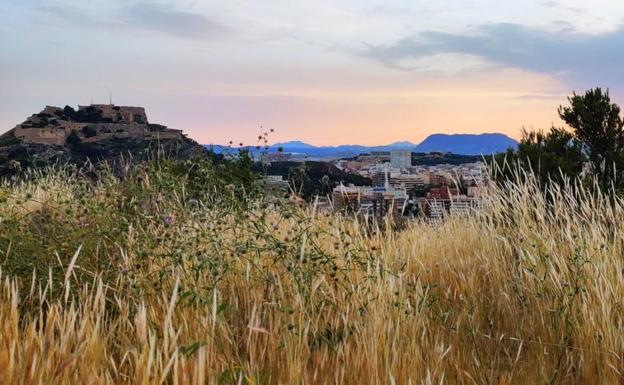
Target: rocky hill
<point>95,132</point>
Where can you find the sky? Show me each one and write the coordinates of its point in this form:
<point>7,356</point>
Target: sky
<point>325,72</point>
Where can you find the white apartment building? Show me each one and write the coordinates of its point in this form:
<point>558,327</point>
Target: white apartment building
<point>409,181</point>
<point>465,206</point>
<point>401,159</point>
<point>436,210</point>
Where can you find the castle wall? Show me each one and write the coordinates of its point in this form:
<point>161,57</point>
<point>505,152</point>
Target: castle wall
<point>124,114</point>
<point>128,122</point>
<point>54,136</point>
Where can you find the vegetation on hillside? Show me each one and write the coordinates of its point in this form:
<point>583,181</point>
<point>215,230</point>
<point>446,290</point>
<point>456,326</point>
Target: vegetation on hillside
<point>170,273</point>
<point>592,149</point>
<point>311,178</point>
<point>176,271</point>
<point>554,156</point>
<point>47,138</point>
<point>435,158</point>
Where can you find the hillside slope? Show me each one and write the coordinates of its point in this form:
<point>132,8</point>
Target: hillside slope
<point>467,144</point>
<point>95,133</point>
<point>460,144</point>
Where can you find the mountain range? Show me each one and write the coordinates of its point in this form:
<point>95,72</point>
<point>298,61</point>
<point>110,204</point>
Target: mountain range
<point>462,144</point>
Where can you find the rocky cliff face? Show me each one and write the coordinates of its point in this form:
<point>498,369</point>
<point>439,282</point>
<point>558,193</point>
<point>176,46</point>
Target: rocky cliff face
<point>95,132</point>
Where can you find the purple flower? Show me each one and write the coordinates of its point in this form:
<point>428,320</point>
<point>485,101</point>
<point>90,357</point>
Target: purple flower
<point>168,219</point>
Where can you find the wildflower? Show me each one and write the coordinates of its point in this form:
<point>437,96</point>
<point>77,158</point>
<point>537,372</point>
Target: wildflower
<point>169,219</point>
<point>14,165</point>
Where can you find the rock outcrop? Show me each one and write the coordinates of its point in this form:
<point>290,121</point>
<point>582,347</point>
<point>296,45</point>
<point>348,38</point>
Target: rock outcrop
<point>95,132</point>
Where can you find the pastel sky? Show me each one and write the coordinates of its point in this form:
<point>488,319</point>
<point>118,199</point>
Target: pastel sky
<point>322,71</point>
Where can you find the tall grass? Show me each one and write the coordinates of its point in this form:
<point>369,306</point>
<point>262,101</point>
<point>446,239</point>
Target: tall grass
<point>133,281</point>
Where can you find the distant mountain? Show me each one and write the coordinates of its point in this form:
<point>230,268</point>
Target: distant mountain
<point>301,148</point>
<point>467,144</point>
<point>294,144</point>
<point>461,144</point>
<point>403,144</point>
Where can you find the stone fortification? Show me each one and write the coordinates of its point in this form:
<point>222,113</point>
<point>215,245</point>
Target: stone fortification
<point>95,132</point>
<point>91,123</point>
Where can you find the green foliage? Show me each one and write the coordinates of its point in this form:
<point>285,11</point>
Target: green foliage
<point>206,220</point>
<point>555,156</point>
<point>99,210</point>
<point>313,178</point>
<point>73,139</point>
<point>596,139</point>
<point>89,131</point>
<point>8,139</point>
<point>597,124</point>
<point>435,158</point>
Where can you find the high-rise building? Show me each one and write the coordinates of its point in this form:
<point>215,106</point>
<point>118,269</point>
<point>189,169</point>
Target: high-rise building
<point>401,158</point>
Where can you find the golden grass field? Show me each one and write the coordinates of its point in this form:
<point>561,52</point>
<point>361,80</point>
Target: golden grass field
<point>122,282</point>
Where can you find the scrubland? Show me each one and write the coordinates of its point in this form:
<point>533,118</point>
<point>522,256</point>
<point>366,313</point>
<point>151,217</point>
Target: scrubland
<point>138,279</point>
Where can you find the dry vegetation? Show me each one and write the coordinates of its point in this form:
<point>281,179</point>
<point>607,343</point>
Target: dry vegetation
<point>134,282</point>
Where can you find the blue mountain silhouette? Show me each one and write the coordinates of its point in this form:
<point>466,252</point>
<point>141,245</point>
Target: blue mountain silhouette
<point>461,144</point>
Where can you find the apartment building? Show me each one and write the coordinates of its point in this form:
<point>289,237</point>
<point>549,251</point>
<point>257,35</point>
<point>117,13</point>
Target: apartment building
<point>401,159</point>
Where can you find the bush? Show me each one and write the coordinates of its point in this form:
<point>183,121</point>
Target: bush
<point>73,139</point>
<point>169,273</point>
<point>89,131</point>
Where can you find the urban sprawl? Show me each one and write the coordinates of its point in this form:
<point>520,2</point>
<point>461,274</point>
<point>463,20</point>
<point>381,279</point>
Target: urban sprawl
<point>401,188</point>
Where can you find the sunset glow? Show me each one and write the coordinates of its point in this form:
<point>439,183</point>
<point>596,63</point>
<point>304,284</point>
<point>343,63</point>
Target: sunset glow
<point>324,72</point>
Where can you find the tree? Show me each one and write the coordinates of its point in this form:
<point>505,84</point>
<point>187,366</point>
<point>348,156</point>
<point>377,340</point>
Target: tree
<point>73,139</point>
<point>553,156</point>
<point>89,131</point>
<point>598,126</point>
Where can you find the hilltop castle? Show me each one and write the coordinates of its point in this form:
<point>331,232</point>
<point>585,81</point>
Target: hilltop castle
<point>98,132</point>
<point>96,122</point>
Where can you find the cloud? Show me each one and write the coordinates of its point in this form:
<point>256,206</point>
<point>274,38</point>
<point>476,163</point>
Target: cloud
<point>69,14</point>
<point>557,5</point>
<point>168,19</point>
<point>581,58</point>
<point>143,15</point>
<point>550,4</point>
<point>540,97</point>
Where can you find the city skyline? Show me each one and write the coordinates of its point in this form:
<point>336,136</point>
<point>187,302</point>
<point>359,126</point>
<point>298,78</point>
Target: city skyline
<point>326,73</point>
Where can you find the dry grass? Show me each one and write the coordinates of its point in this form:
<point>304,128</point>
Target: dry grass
<point>529,292</point>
